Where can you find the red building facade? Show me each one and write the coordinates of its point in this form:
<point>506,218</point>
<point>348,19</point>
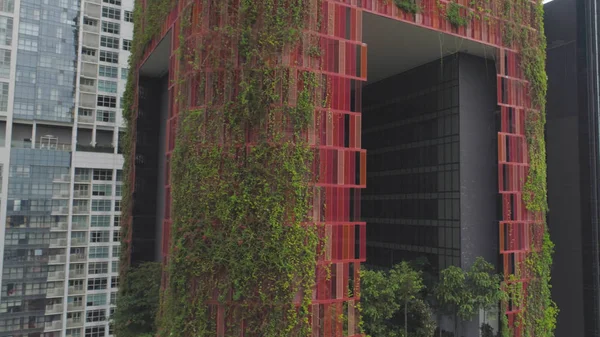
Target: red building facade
<point>340,172</point>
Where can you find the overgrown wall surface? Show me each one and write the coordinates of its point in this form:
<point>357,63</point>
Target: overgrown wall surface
<point>220,37</point>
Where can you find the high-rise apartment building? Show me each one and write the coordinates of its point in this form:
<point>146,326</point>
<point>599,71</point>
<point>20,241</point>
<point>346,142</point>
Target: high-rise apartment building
<point>63,70</point>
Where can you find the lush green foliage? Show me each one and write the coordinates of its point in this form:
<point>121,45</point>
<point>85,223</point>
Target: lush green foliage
<point>539,316</point>
<point>241,235</point>
<point>231,223</point>
<point>463,293</point>
<point>391,305</point>
<point>408,6</point>
<point>483,284</point>
<point>454,16</point>
<point>138,301</point>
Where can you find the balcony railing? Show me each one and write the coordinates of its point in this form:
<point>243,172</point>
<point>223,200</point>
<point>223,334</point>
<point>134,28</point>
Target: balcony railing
<point>75,306</point>
<point>88,88</point>
<point>81,209</point>
<point>60,210</point>
<point>60,258</point>
<point>74,323</point>
<point>89,58</point>
<point>56,275</point>
<point>55,146</point>
<point>80,179</point>
<point>54,325</point>
<point>21,144</point>
<point>97,148</point>
<point>81,194</point>
<point>58,226</point>
<point>78,241</point>
<point>92,29</point>
<point>63,178</point>
<point>58,243</point>
<point>54,308</point>
<point>77,273</point>
<point>55,292</point>
<point>76,291</point>
<point>77,258</point>
<point>61,194</point>
<point>85,119</point>
<point>78,225</point>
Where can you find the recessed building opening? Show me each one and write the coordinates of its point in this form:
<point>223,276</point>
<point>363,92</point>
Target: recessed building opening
<point>153,112</point>
<point>429,128</point>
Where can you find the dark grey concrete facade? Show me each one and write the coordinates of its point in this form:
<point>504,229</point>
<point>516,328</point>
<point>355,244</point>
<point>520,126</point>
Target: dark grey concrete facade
<point>572,136</point>
<point>478,160</point>
<point>432,183</point>
<point>430,135</point>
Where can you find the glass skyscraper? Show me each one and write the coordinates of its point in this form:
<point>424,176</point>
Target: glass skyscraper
<point>63,67</point>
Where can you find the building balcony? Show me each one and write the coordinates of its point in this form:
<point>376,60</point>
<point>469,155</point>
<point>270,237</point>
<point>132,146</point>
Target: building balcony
<point>52,326</point>
<point>73,274</point>
<point>82,179</point>
<point>89,58</point>
<point>76,306</point>
<point>56,276</point>
<point>97,148</point>
<point>77,258</point>
<point>92,10</point>
<point>71,333</point>
<point>58,243</point>
<point>58,226</point>
<point>80,226</point>
<point>76,291</point>
<point>81,194</point>
<point>64,178</point>
<point>54,146</point>
<point>78,242</point>
<point>87,88</point>
<point>85,119</point>
<point>60,258</point>
<point>64,210</point>
<point>62,194</point>
<point>21,144</point>
<point>55,292</point>
<point>74,323</point>
<point>81,209</point>
<point>54,309</point>
<point>91,29</point>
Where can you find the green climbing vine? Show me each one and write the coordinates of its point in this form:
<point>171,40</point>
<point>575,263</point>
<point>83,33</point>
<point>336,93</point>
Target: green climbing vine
<point>539,315</point>
<point>242,177</point>
<point>248,205</point>
<point>454,16</point>
<point>408,6</point>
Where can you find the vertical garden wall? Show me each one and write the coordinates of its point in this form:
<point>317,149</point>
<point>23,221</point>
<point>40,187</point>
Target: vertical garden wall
<point>265,161</point>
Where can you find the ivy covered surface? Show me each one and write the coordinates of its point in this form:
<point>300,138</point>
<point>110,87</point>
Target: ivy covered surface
<point>241,176</point>
<point>540,311</point>
<point>241,169</point>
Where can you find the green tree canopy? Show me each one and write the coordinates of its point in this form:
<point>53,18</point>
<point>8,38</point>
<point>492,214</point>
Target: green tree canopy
<point>138,301</point>
<point>391,303</point>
